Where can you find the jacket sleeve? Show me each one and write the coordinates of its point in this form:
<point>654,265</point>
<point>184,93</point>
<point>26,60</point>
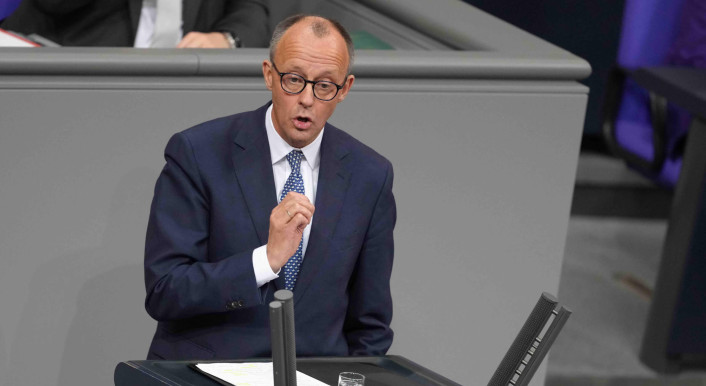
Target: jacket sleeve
<point>63,7</point>
<point>367,326</point>
<point>248,20</point>
<point>181,279</point>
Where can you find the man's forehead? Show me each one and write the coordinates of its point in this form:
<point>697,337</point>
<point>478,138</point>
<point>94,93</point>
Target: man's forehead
<point>301,48</point>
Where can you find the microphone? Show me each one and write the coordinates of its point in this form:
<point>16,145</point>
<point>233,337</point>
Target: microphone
<point>284,349</point>
<point>277,337</point>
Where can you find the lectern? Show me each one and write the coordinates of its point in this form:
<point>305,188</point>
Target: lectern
<point>386,370</point>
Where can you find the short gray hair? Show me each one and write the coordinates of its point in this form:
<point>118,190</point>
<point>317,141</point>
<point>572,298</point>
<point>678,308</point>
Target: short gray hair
<point>320,28</point>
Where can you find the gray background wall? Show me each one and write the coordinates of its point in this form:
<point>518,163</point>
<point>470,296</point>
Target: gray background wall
<point>484,174</point>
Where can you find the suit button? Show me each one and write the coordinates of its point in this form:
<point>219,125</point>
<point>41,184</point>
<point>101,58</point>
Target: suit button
<point>231,305</point>
<point>241,303</point>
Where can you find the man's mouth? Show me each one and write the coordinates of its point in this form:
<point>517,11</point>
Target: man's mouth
<point>302,122</point>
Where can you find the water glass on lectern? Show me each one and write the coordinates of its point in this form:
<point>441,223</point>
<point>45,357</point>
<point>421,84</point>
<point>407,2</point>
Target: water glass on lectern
<point>351,379</point>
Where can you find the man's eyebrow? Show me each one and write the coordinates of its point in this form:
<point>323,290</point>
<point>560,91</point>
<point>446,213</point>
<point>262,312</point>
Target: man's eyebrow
<point>326,74</point>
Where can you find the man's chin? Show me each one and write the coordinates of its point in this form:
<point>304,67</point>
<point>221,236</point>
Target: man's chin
<point>301,137</point>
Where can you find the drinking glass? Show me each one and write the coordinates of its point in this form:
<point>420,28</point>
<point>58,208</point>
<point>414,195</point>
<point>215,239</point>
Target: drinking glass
<point>351,379</point>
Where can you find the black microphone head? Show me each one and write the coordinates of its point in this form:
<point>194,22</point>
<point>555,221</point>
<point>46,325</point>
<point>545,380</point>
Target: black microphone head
<point>283,295</point>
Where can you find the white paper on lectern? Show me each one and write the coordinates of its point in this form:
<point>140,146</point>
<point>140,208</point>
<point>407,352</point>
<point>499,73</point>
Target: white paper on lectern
<point>8,39</point>
<point>251,374</point>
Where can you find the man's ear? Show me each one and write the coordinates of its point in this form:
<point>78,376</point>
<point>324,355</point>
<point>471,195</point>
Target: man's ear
<point>267,73</point>
<point>346,87</point>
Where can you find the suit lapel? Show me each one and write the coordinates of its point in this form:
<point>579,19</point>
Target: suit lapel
<point>331,191</point>
<point>135,8</point>
<point>253,169</point>
<point>190,10</point>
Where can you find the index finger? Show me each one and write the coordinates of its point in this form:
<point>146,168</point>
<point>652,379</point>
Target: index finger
<point>298,198</point>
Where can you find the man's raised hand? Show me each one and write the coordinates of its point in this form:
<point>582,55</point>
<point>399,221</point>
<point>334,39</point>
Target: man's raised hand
<point>287,223</point>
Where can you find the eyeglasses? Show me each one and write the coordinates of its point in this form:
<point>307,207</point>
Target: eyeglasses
<point>295,84</point>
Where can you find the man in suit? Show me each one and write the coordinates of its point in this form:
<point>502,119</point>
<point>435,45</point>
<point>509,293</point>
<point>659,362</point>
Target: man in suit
<point>117,23</point>
<point>270,199</point>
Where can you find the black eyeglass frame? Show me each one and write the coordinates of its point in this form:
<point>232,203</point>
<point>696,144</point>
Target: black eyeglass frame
<point>306,81</point>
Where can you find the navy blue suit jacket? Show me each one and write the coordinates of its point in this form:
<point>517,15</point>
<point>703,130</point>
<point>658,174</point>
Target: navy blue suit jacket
<point>211,209</point>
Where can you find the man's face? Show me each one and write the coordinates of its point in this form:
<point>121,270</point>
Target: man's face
<point>300,118</point>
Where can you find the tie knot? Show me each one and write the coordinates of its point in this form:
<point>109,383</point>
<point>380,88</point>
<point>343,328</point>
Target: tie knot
<point>295,159</point>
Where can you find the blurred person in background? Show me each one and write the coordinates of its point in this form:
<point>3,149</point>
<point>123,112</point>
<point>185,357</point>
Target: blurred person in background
<point>144,23</point>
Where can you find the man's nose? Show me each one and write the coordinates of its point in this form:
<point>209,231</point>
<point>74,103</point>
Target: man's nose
<point>306,97</point>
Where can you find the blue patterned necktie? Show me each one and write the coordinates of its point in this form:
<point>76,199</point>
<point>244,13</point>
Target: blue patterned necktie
<point>294,183</point>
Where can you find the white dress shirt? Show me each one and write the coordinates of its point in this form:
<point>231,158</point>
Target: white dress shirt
<point>281,169</point>
<point>145,27</point>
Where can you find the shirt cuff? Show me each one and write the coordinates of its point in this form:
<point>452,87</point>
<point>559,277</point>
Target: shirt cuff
<point>263,271</point>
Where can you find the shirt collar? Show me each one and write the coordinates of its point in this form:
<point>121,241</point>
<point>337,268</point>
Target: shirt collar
<point>279,148</point>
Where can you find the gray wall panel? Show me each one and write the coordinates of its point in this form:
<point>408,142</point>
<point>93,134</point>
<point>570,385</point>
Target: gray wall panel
<point>75,188</point>
<point>483,184</point>
<point>484,175</point>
